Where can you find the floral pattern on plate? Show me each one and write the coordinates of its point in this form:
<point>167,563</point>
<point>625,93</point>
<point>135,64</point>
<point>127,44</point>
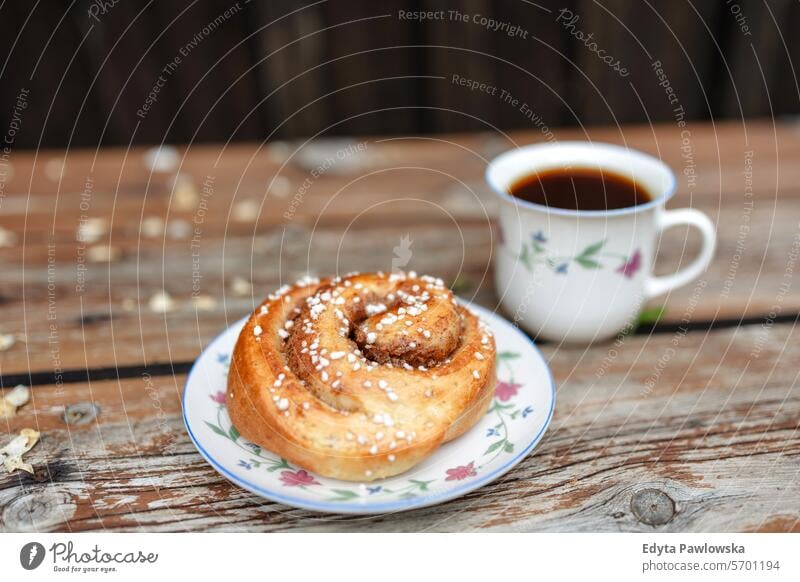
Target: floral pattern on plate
<point>514,423</point>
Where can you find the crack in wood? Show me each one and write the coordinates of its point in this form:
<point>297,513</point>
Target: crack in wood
<point>75,376</point>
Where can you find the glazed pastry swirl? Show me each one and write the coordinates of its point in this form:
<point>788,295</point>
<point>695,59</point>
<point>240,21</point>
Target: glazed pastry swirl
<point>360,377</point>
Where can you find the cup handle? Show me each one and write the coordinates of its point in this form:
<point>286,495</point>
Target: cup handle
<point>668,218</point>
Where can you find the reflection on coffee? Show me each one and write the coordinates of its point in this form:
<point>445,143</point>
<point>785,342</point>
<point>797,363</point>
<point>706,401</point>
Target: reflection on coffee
<point>580,189</point>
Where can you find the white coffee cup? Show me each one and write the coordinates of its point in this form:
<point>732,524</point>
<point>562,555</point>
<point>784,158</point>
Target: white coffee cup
<point>583,275</point>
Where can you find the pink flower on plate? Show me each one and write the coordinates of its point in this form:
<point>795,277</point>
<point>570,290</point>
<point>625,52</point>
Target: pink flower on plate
<point>299,478</point>
<point>219,397</point>
<point>633,264</point>
<point>462,472</point>
<point>506,390</point>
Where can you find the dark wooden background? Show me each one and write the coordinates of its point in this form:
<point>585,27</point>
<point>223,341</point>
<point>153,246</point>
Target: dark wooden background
<point>293,68</point>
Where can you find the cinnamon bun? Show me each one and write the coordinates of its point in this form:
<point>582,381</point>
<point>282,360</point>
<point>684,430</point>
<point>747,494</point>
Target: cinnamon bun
<point>360,377</point>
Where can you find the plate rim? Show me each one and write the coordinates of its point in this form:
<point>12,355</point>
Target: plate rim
<point>377,508</point>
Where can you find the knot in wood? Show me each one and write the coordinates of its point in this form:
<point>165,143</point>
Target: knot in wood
<point>38,511</point>
<point>81,413</point>
<point>652,506</point>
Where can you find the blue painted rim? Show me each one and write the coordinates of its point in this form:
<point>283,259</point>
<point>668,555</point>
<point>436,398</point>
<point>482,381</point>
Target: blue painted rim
<point>395,506</point>
<point>503,194</point>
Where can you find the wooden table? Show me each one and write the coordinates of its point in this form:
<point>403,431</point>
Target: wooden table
<point>690,424</point>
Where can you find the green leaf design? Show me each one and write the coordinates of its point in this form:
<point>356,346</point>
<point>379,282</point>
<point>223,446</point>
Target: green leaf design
<point>234,434</point>
<point>592,249</point>
<point>343,495</point>
<point>507,355</point>
<point>494,446</point>
<point>282,464</point>
<point>421,485</point>
<point>508,447</point>
<point>524,256</point>
<point>216,429</point>
<point>587,263</point>
<point>498,407</point>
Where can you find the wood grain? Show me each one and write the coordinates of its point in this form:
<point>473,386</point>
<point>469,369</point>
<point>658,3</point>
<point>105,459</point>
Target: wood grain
<point>241,231</point>
<point>692,426</point>
<point>712,444</point>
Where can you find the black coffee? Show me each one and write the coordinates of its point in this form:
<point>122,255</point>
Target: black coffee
<point>580,189</point>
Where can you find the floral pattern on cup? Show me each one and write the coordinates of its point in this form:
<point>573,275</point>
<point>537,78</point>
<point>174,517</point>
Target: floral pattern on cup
<point>632,265</point>
<point>594,256</point>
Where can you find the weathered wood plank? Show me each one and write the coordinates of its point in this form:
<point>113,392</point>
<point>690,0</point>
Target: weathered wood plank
<point>238,238</point>
<point>748,278</point>
<point>119,180</point>
<point>694,431</point>
<point>684,431</point>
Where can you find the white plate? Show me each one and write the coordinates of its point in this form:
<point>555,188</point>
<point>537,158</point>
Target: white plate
<point>515,422</point>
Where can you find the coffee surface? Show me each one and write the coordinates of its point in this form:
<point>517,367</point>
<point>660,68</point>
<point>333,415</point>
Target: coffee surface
<point>580,189</point>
